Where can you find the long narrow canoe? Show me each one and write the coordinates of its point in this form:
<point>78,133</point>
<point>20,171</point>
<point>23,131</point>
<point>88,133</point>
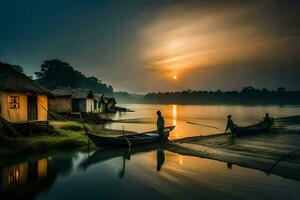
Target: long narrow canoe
<point>254,129</point>
<point>129,140</point>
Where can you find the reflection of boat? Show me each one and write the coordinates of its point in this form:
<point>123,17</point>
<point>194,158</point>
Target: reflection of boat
<point>128,140</point>
<point>254,129</point>
<point>106,154</point>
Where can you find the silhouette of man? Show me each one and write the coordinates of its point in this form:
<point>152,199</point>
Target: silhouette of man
<point>160,124</point>
<point>230,125</point>
<point>267,120</point>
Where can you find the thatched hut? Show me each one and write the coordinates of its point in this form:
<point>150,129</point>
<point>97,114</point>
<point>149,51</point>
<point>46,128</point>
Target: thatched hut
<point>21,100</point>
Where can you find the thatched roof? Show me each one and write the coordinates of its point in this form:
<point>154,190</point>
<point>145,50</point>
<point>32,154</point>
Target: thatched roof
<point>73,93</point>
<point>14,81</point>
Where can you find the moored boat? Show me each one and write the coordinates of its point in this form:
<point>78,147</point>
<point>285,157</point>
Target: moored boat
<point>129,140</point>
<point>254,129</point>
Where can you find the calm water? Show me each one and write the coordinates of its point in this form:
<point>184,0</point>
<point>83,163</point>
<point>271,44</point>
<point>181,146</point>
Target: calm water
<point>149,173</point>
<point>144,117</point>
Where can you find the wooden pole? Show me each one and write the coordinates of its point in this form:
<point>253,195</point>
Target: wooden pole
<point>128,141</point>
<point>86,131</point>
<point>10,126</point>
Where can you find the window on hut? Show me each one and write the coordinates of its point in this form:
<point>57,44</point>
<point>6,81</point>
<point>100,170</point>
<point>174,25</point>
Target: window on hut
<point>14,102</point>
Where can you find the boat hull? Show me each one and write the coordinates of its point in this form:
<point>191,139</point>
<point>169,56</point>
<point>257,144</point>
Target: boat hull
<point>251,130</point>
<point>129,140</point>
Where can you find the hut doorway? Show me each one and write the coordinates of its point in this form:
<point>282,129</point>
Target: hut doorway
<point>32,108</point>
<point>75,105</point>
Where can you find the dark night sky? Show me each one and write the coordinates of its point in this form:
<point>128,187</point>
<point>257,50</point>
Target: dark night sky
<point>139,45</point>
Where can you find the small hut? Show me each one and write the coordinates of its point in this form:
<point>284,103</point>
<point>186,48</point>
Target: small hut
<point>99,103</point>
<point>68,100</point>
<point>21,100</point>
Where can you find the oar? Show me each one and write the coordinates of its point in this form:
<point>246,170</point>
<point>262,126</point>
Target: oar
<point>86,131</point>
<point>203,125</point>
<point>128,141</point>
<point>53,114</point>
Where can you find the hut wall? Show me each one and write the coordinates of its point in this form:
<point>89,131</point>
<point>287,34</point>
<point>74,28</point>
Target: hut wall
<point>97,106</point>
<point>42,107</point>
<point>83,105</point>
<point>89,105</point>
<point>1,104</point>
<point>102,107</point>
<point>13,114</point>
<point>42,166</point>
<point>60,105</point>
<point>12,176</point>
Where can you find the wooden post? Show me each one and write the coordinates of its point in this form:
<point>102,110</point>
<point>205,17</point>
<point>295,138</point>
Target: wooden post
<point>88,144</point>
<point>128,141</point>
<point>86,130</point>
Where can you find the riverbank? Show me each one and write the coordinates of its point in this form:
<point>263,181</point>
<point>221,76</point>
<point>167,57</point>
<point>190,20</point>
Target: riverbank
<point>62,135</point>
<point>277,152</point>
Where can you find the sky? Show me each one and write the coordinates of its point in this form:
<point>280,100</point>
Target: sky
<point>140,46</point>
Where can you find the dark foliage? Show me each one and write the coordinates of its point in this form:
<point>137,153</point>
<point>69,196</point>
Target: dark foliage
<point>14,67</point>
<point>247,95</point>
<point>12,79</point>
<point>56,74</point>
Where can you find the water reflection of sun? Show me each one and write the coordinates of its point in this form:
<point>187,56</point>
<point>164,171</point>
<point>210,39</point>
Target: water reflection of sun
<point>174,114</point>
<point>180,160</point>
<point>174,118</point>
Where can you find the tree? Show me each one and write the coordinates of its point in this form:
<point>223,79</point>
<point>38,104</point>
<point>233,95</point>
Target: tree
<point>18,68</point>
<point>14,67</point>
<point>55,74</point>
<point>281,89</point>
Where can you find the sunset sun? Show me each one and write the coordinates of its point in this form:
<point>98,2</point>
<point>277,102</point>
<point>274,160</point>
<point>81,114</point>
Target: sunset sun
<point>174,77</point>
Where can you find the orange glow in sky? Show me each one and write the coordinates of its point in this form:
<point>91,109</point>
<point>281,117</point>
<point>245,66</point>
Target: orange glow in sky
<point>183,40</point>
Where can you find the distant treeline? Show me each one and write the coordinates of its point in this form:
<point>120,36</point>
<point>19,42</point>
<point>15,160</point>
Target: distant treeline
<point>125,97</point>
<point>56,74</point>
<point>247,95</point>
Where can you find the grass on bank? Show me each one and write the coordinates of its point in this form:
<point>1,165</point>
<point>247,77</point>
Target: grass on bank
<point>61,136</point>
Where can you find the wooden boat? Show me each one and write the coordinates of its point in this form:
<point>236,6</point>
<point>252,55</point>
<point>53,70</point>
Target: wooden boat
<point>254,129</point>
<point>128,140</point>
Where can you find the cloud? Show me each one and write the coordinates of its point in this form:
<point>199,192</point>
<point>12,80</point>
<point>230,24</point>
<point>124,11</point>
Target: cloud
<point>186,36</point>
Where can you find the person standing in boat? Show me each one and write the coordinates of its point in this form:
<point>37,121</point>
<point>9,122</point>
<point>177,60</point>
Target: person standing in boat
<point>230,125</point>
<point>160,124</point>
<point>268,120</point>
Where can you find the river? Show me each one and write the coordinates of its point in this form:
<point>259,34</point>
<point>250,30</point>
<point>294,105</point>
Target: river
<point>210,119</point>
<point>150,172</point>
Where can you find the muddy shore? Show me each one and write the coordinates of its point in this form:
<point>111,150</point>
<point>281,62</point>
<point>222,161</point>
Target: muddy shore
<point>277,153</point>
